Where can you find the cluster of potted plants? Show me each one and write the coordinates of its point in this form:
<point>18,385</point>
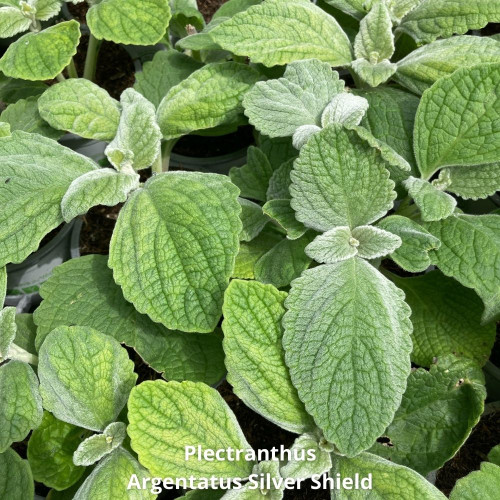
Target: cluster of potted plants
<point>306,196</point>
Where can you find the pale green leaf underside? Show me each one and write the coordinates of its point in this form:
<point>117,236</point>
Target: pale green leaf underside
<point>138,134</point>
<point>389,480</point>
<point>413,254</point>
<point>82,291</point>
<point>458,120</point>
<point>344,322</point>
<point>174,246</point>
<point>3,285</point>
<point>35,173</point>
<point>483,483</point>
<point>278,107</point>
<point>132,22</point>
<point>284,215</point>
<point>98,446</point>
<point>466,239</point>
<point>339,180</point>
<point>165,417</point>
<point>167,69</point>
<point>104,186</point>
<point>276,33</point>
<point>252,344</point>
<point>85,376</point>
<point>20,402</point>
<point>7,331</point>
<point>474,183</point>
<point>43,55</point>
<point>81,107</point>
<point>50,453</point>
<point>16,480</point>
<point>443,18</point>
<point>345,109</point>
<point>439,409</point>
<point>208,97</point>
<point>422,67</point>
<point>111,477</point>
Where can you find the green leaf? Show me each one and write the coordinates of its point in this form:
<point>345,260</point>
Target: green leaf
<point>50,453</point>
<point>278,107</point>
<point>175,263</point>
<point>24,115</point>
<point>439,409</point>
<point>7,331</point>
<point>111,477</point>
<point>433,204</point>
<point>138,139</point>
<point>375,41</point>
<point>208,97</point>
<point>82,292</point>
<point>252,218</point>
<point>26,333</point>
<point>482,483</point>
<point>389,480</point>
<point>13,21</point>
<point>494,455</point>
<point>303,469</point>
<point>339,180</point>
<point>355,8</point>
<point>399,8</point>
<point>85,376</point>
<point>252,343</point>
<point>417,242</point>
<point>284,215</point>
<point>105,186</point>
<point>334,245</point>
<point>278,149</point>
<point>443,18</point>
<point>345,109</point>
<point>446,318</point>
<point>253,178</point>
<point>303,134</point>
<point>35,173</point>
<point>45,9</point>
<point>43,55</point>
<point>165,417</point>
<point>20,402</point>
<point>279,183</point>
<point>424,66</point>
<point>3,285</point>
<point>16,481</point>
<point>12,89</point>
<point>204,494</point>
<point>473,183</point>
<point>344,321</point>
<point>374,73</point>
<point>132,22</point>
<point>167,69</point>
<point>374,242</point>
<point>185,12</point>
<point>276,33</point>
<point>284,262</point>
<point>458,120</point>
<point>4,129</point>
<point>99,445</point>
<point>466,239</point>
<point>81,107</point>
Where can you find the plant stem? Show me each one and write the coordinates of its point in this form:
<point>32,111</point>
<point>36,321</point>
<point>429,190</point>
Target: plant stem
<point>20,354</point>
<point>166,151</point>
<point>91,59</point>
<point>156,167</point>
<point>60,77</point>
<point>72,69</point>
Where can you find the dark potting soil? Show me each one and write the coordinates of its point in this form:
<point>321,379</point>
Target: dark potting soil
<point>98,225</point>
<point>48,237</point>
<point>208,7</point>
<point>79,11</point>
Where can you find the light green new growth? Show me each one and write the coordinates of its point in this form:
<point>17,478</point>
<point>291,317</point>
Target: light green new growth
<point>345,109</point>
<point>174,246</point>
<point>85,376</point>
<point>16,480</point>
<point>252,344</point>
<point>482,483</point>
<point>81,107</point>
<point>165,417</point>
<point>13,21</point>
<point>334,245</point>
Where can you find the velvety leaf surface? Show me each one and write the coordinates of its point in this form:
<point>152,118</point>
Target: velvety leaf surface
<point>16,480</point>
<point>255,358</point>
<point>252,218</point>
<point>82,291</point>
<point>458,120</point>
<point>85,376</point>
<point>13,21</point>
<point>466,239</point>
<point>3,285</point>
<point>20,402</point>
<point>276,33</point>
<point>339,180</point>
<point>165,417</point>
<point>374,242</point>
<point>174,246</point>
<point>81,107</point>
<point>474,183</point>
<point>35,173</point>
<point>374,73</point>
<point>439,409</point>
<point>422,67</point>
<point>43,55</point>
<point>345,109</point>
<point>7,331</point>
<point>334,245</point>
<point>284,215</point>
<point>13,89</point>
<point>50,452</point>
<point>344,322</point>
<point>482,483</point>
<point>132,22</point>
<point>208,97</point>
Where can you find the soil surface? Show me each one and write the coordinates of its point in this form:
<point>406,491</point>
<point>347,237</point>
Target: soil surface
<point>209,7</point>
<point>79,11</point>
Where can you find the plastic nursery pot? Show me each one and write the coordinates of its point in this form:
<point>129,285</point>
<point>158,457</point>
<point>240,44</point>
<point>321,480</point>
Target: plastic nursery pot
<point>492,377</point>
<point>215,164</point>
<point>87,147</point>
<point>24,279</point>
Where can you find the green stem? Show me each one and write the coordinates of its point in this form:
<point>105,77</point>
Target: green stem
<point>91,59</point>
<point>60,77</point>
<point>16,352</point>
<point>72,69</point>
<point>156,168</point>
<point>166,151</point>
